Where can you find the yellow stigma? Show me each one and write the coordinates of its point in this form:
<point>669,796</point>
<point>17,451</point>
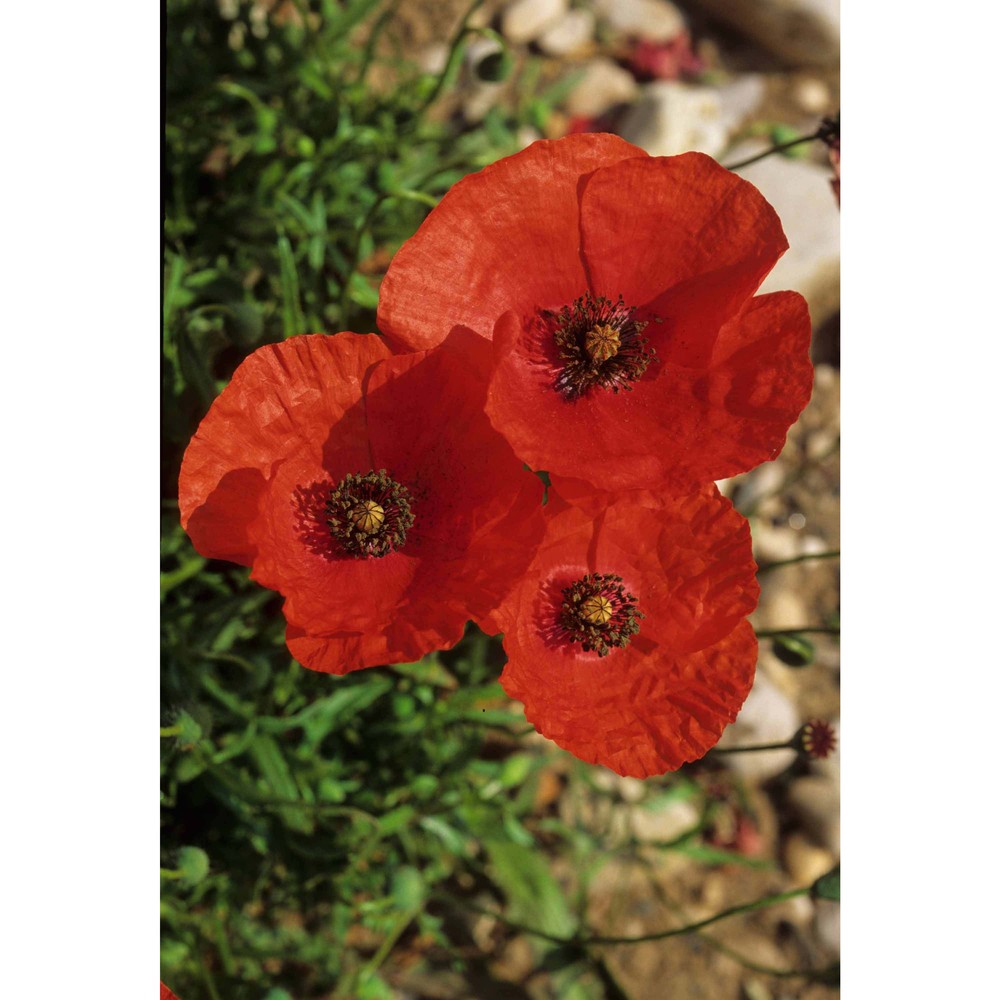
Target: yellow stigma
<point>601,343</point>
<point>596,610</point>
<point>367,516</point>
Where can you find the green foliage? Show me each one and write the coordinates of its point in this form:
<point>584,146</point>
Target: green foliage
<point>828,886</point>
<point>794,650</point>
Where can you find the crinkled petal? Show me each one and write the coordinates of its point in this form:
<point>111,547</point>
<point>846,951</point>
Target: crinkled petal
<point>681,239</point>
<point>505,238</point>
<point>678,427</point>
<point>477,518</point>
<point>283,399</point>
<point>665,698</point>
<point>651,714</point>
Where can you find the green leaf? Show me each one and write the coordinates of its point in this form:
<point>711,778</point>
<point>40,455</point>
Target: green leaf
<point>408,890</point>
<point>794,650</point>
<point>192,863</point>
<point>362,293</point>
<point>717,856</point>
<point>292,320</point>
<point>533,895</point>
<point>278,776</point>
<point>828,886</point>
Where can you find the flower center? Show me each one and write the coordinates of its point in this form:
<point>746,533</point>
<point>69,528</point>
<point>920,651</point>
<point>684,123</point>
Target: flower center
<point>600,345</point>
<point>370,514</point>
<point>368,517</point>
<point>598,613</point>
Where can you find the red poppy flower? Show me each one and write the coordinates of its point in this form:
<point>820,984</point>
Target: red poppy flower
<point>166,993</point>
<point>617,288</point>
<point>370,490</point>
<point>626,638</point>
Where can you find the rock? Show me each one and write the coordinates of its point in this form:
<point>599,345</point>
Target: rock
<point>815,800</point>
<point>665,823</point>
<point>653,20</point>
<point>801,32</point>
<point>805,861</point>
<point>480,97</point>
<point>754,989</point>
<point>820,443</point>
<point>785,608</point>
<point>525,20</point>
<point>433,58</point>
<point>671,118</point>
<point>771,544</point>
<point>739,99</point>
<point>828,924</point>
<point>603,85</point>
<point>572,33</point>
<point>812,95</point>
<point>526,135</point>
<point>752,487</point>
<point>800,193</point>
<point>767,716</point>
<point>800,910</point>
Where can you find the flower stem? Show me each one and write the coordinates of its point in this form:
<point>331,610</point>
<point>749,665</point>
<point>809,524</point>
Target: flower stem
<point>767,567</point>
<point>454,55</point>
<point>584,940</point>
<point>774,149</point>
<point>753,747</point>
<point>169,731</point>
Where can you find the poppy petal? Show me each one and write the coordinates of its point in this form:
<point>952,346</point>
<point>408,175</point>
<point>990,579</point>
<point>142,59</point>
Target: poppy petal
<point>505,238</point>
<point>477,517</point>
<point>678,427</point>
<point>682,239</point>
<point>281,400</point>
<point>665,698</point>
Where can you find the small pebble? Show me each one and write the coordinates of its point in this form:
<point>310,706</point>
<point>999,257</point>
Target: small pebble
<point>525,20</point>
<point>804,860</point>
<point>572,33</point>
<point>603,84</point>
<point>811,95</point>
<point>653,20</point>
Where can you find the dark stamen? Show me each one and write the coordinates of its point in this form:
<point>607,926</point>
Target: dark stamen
<point>370,514</point>
<point>599,613</point>
<point>600,344</point>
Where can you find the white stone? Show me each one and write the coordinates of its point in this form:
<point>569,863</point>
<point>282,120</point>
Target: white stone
<point>525,20</point>
<point>526,135</point>
<point>665,823</point>
<point>653,20</point>
<point>812,95</point>
<point>433,58</point>
<point>761,482</point>
<point>771,544</point>
<point>480,97</point>
<point>799,191</point>
<point>572,33</point>
<point>804,860</point>
<point>767,716</point>
<point>603,84</point>
<point>802,32</point>
<point>740,98</point>
<point>828,924</point>
<point>671,118</point>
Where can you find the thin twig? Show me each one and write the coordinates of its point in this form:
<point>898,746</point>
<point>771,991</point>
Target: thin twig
<point>774,149</point>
